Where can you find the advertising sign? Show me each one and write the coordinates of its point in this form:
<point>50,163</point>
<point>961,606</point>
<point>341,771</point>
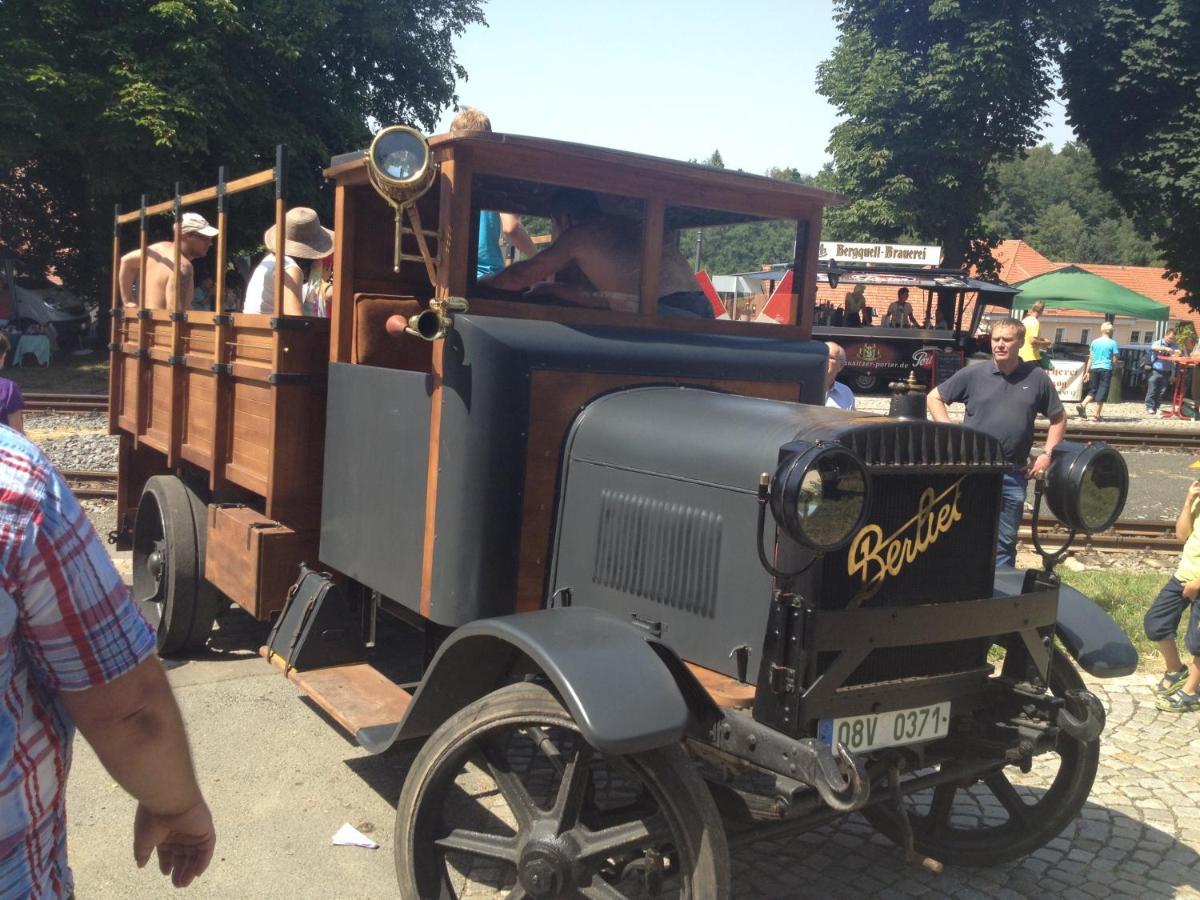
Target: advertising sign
<point>1067,376</point>
<point>891,254</point>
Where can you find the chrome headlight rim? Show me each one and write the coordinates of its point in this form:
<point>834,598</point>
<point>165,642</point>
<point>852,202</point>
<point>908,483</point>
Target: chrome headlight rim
<point>789,478</point>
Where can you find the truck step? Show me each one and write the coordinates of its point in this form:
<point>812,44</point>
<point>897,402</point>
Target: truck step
<point>355,696</point>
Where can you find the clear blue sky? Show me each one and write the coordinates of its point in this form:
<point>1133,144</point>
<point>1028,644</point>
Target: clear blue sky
<point>664,77</point>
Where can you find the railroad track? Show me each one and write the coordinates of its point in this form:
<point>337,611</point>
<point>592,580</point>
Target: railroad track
<point>91,485</point>
<point>66,402</point>
<point>1130,438</point>
<point>1126,534</point>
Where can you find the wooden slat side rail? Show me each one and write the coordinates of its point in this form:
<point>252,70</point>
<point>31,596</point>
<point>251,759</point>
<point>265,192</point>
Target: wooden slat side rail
<point>652,240</point>
<point>342,308</point>
<point>725,691</point>
<point>355,696</point>
<point>555,400</point>
<point>246,183</point>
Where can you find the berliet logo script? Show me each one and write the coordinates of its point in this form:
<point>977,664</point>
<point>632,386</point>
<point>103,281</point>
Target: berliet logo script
<point>874,557</point>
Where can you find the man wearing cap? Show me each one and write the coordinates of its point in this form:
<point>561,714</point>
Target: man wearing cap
<point>305,240</point>
<point>195,238</point>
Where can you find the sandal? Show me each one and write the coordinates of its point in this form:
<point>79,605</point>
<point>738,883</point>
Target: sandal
<point>1179,702</point>
<point>1170,682</point>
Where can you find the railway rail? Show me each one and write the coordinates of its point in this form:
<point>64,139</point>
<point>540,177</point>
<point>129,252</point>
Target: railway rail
<point>1131,438</point>
<point>91,485</point>
<point>66,402</point>
<point>1126,534</point>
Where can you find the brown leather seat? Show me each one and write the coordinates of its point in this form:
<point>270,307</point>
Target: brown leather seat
<point>373,346</point>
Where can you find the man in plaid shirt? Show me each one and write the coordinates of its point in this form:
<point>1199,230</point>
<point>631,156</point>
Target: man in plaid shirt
<point>76,653</point>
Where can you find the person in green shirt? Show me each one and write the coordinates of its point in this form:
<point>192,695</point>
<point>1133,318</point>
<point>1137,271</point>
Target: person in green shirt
<point>1179,689</point>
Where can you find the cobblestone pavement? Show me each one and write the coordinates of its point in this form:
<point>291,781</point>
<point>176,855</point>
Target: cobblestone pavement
<point>1138,836</point>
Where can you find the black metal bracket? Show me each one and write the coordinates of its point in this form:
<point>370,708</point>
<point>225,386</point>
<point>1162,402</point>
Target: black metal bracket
<point>840,779</point>
<point>290,323</point>
<point>221,191</point>
<point>222,319</point>
<point>113,347</point>
<point>222,368</point>
<point>143,313</point>
<point>140,354</point>
<point>289,378</point>
<point>178,316</point>
<point>176,360</point>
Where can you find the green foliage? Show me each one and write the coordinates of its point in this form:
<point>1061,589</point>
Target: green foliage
<point>931,94</point>
<point>1055,202</point>
<point>1131,78</point>
<point>1125,596</point>
<point>103,101</point>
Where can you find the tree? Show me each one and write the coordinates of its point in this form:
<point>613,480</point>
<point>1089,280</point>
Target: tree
<point>102,101</point>
<point>1056,203</point>
<point>1131,78</point>
<point>933,93</point>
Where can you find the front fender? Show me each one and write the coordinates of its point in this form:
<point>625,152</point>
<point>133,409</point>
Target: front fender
<point>619,690</point>
<point>1090,635</point>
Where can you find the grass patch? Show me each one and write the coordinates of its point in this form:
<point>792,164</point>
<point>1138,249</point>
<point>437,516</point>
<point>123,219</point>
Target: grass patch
<point>65,375</point>
<point>1125,596</point>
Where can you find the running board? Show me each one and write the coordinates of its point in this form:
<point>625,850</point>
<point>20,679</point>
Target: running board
<point>356,696</point>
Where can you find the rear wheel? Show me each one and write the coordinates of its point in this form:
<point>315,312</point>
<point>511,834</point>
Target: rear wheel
<point>168,565</point>
<point>1004,814</point>
<point>507,794</point>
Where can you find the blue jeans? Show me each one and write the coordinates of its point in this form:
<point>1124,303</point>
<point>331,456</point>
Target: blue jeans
<point>1012,506</point>
<point>1156,386</point>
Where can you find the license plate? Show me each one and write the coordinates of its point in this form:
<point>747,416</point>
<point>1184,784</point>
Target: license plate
<point>888,729</point>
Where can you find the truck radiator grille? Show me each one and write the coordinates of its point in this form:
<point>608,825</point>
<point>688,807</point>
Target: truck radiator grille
<point>922,445</point>
<point>667,553</point>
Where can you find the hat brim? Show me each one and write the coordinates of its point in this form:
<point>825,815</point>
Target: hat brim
<point>319,249</point>
<point>208,231</point>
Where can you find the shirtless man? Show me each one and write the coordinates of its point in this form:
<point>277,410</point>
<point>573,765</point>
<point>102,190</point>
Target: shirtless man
<point>196,238</point>
<point>607,251</point>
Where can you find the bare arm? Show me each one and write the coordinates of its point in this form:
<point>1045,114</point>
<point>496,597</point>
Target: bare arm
<point>16,421</point>
<point>516,235</point>
<point>540,267</point>
<point>135,728</point>
<point>1054,436</point>
<point>293,287</point>
<point>1186,519</point>
<point>126,275</point>
<point>936,406</point>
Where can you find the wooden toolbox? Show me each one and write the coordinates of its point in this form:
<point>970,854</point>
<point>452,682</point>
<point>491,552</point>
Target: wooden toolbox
<point>253,560</point>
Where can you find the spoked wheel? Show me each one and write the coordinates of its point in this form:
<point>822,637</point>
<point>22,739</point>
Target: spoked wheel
<point>507,794</point>
<point>1004,814</point>
<point>168,565</point>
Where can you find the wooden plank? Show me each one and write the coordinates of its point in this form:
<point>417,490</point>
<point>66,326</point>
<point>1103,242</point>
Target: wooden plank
<point>342,308</point>
<point>555,399</point>
<point>652,239</point>
<point>431,480</point>
<point>251,480</point>
<point>455,216</point>
<point>725,691</point>
<point>355,696</point>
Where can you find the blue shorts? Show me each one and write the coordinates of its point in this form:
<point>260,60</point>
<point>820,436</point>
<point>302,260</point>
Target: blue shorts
<point>1166,612</point>
<point>1098,381</point>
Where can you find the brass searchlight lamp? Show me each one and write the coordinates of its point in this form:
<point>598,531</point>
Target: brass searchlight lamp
<point>401,169</point>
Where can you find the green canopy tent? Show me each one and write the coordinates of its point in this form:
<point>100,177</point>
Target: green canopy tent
<point>1075,288</point>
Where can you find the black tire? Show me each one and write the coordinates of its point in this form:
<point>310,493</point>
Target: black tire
<point>575,844</point>
<point>168,581</point>
<point>1028,826</point>
<point>209,601</point>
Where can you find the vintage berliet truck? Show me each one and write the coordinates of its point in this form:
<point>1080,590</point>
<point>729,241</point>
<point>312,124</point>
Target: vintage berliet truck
<point>622,578</point>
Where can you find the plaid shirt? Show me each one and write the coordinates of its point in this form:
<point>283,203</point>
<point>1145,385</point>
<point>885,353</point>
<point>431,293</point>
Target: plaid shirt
<point>67,623</point>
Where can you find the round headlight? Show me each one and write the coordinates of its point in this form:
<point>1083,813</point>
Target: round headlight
<point>1086,485</point>
<point>399,164</point>
<point>820,496</point>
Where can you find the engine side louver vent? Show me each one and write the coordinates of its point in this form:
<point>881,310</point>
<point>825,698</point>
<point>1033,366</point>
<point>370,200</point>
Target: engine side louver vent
<point>923,444</point>
<point>664,552</point>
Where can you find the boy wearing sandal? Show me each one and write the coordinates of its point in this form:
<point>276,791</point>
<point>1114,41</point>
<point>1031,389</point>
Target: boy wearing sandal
<point>1179,689</point>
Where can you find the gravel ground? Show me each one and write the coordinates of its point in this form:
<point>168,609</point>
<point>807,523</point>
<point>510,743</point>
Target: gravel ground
<point>74,440</point>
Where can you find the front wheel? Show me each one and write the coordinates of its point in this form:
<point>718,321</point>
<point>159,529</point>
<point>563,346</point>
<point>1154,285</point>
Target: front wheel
<point>1005,814</point>
<point>506,793</point>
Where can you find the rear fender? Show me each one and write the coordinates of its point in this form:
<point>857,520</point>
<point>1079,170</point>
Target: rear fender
<point>626,693</point>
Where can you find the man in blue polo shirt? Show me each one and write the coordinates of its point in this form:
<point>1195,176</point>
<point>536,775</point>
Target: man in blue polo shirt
<point>1003,398</point>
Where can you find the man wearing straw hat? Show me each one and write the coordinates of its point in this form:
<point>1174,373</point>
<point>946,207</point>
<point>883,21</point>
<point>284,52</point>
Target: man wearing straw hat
<point>305,240</point>
<point>195,237</point>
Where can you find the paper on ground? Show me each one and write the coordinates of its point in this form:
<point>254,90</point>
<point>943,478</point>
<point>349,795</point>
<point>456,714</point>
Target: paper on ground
<point>349,836</point>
